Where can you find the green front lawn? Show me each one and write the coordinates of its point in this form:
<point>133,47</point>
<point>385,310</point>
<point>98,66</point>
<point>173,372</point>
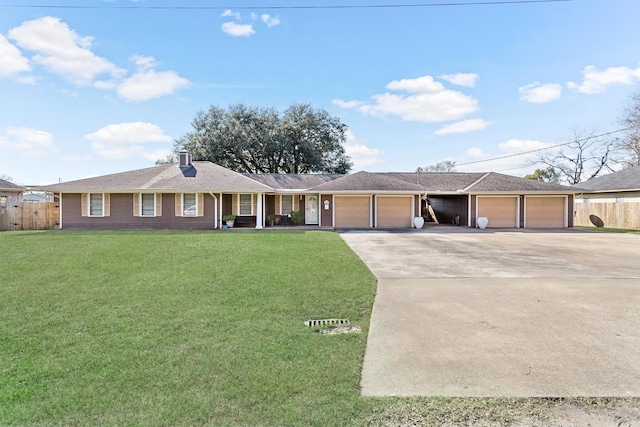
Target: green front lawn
<point>197,328</point>
<point>185,328</point>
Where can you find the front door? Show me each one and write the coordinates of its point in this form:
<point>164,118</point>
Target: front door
<point>311,210</point>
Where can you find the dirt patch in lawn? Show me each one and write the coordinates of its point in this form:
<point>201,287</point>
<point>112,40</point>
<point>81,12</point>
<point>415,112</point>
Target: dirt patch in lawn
<point>507,412</point>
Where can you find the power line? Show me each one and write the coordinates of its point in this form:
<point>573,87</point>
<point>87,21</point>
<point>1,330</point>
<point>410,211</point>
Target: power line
<point>542,149</point>
<point>367,6</point>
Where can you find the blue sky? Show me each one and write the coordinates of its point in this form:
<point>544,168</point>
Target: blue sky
<point>92,91</point>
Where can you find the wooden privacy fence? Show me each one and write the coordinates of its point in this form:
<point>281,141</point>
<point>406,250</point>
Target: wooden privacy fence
<point>611,215</point>
<point>29,216</point>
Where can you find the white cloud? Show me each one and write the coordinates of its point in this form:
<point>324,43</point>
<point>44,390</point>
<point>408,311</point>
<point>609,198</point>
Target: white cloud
<point>538,93</point>
<point>11,59</point>
<point>428,101</point>
<point>271,21</point>
<point>463,126</point>
<point>461,79</point>
<point>144,62</point>
<point>238,30</point>
<point>595,81</point>
<point>514,146</point>
<point>27,141</point>
<point>231,13</point>
<point>347,104</point>
<point>361,155</point>
<point>123,140</point>
<point>65,53</point>
<point>146,85</point>
<point>513,165</point>
<point>62,51</point>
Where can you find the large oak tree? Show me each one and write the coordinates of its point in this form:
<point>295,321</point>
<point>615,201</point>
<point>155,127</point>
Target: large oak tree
<point>301,139</point>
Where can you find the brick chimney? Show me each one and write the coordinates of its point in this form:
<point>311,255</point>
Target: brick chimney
<point>184,158</point>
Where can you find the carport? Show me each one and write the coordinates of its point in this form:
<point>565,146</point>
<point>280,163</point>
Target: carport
<point>448,208</point>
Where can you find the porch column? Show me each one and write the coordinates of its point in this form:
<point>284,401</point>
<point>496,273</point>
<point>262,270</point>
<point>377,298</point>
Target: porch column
<point>260,213</point>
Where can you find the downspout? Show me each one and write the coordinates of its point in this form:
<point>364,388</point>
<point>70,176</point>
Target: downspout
<point>59,204</point>
<point>215,210</point>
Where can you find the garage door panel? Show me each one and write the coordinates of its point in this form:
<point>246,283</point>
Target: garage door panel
<point>394,212</point>
<point>501,211</point>
<point>352,212</point>
<point>545,212</point>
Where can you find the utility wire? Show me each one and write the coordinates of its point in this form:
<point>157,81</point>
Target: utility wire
<point>542,149</point>
<point>366,6</point>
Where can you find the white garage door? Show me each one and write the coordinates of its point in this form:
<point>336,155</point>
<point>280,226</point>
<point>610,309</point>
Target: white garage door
<point>352,212</point>
<point>544,212</point>
<point>501,211</point>
<point>394,212</point>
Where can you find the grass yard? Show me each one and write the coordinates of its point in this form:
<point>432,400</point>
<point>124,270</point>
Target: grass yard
<point>180,328</point>
<point>610,230</point>
<point>201,328</point>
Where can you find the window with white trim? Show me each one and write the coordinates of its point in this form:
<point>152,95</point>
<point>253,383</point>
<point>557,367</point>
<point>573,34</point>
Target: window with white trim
<point>147,204</point>
<point>3,201</point>
<point>287,204</point>
<point>189,204</point>
<point>245,204</point>
<point>96,204</point>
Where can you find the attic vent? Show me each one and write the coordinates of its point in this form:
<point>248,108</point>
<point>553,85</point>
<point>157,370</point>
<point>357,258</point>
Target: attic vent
<point>326,322</point>
<point>185,159</point>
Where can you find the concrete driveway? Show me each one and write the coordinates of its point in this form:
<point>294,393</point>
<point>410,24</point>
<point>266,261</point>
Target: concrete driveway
<point>465,312</point>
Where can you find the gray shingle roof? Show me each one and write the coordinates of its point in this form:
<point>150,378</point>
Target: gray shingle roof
<point>626,179</point>
<point>10,186</point>
<point>497,182</point>
<point>201,176</point>
<point>439,181</point>
<point>366,181</point>
<point>283,181</point>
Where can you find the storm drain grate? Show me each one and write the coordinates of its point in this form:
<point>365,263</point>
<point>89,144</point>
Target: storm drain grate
<point>322,322</point>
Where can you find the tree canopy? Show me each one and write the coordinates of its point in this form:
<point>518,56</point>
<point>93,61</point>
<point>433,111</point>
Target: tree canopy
<point>301,139</point>
<point>443,166</point>
<point>547,175</point>
<point>585,157</point>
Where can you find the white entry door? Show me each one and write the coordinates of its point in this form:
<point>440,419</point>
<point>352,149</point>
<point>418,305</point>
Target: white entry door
<point>311,210</point>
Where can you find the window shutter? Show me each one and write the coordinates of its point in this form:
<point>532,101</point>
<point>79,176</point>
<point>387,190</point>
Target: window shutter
<point>107,204</point>
<point>178,198</point>
<point>85,204</point>
<point>136,204</point>
<point>158,204</point>
<point>200,204</point>
<point>235,209</point>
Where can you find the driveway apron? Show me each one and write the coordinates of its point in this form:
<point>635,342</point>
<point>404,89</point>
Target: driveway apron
<point>464,312</point>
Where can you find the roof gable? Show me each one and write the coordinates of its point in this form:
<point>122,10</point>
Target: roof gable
<point>367,181</point>
<point>439,181</point>
<point>497,182</point>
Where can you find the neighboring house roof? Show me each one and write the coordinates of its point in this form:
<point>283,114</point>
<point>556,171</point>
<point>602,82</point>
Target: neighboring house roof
<point>10,186</point>
<point>624,180</point>
<point>284,181</point>
<point>367,181</point>
<point>200,176</point>
<point>497,182</point>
